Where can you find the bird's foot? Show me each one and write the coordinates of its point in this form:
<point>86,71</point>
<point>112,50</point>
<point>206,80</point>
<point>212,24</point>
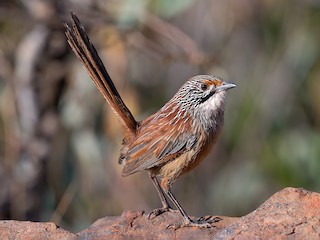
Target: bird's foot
<point>209,219</point>
<point>202,222</point>
<point>159,211</point>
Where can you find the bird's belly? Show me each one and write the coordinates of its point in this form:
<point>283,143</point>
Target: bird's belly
<point>199,158</point>
<point>184,164</point>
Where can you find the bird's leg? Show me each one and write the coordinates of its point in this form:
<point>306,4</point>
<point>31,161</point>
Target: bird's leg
<point>165,205</point>
<point>188,222</point>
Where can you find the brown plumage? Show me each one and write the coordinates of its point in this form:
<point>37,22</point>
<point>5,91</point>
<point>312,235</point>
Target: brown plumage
<point>170,142</point>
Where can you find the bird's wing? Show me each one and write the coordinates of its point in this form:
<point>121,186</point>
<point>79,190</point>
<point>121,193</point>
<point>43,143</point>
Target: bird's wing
<point>157,144</point>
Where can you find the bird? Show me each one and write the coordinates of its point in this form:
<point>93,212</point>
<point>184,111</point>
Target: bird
<point>172,141</point>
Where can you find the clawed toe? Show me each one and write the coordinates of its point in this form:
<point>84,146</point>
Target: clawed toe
<point>209,219</point>
<point>202,222</point>
<point>190,224</point>
<point>158,211</point>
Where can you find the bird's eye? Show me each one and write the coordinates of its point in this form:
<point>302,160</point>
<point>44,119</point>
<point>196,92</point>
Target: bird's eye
<point>203,86</point>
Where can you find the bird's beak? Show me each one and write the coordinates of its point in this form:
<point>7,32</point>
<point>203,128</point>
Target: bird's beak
<point>225,86</point>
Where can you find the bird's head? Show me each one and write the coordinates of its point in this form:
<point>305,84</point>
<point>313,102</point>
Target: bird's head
<point>204,91</point>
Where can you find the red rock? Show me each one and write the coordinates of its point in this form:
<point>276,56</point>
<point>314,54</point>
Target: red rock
<point>289,214</point>
<point>136,225</point>
<point>23,230</point>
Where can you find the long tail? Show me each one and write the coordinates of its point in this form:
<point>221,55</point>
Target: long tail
<point>87,54</point>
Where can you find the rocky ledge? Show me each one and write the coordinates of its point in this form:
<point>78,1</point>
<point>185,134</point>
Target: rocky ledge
<point>289,214</point>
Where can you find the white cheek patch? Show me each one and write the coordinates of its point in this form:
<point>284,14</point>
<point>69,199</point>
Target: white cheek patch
<point>215,102</point>
<point>208,112</point>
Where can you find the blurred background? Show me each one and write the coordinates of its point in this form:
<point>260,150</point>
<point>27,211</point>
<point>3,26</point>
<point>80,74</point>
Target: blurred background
<point>59,140</point>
